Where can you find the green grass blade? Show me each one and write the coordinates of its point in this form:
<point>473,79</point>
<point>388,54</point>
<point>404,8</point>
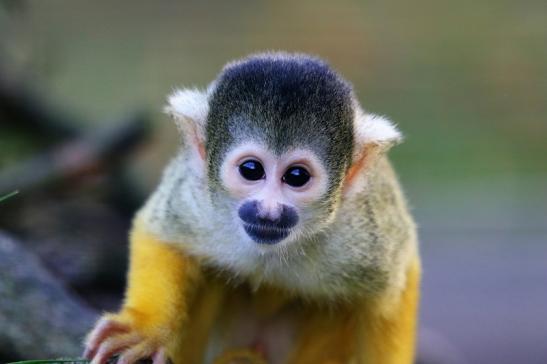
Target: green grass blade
<point>5,197</point>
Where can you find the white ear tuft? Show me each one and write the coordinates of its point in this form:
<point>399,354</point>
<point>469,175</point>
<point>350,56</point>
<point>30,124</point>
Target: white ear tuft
<point>374,129</point>
<point>192,104</point>
<point>189,108</point>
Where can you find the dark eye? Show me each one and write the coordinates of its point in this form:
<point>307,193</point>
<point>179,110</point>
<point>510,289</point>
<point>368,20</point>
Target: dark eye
<point>296,177</point>
<point>251,170</point>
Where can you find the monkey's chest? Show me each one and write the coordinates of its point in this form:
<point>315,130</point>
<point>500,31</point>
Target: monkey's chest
<point>264,322</point>
<point>277,327</point>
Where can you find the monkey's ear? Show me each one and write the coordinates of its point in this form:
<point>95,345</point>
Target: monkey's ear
<point>374,131</point>
<point>374,135</point>
<point>189,108</point>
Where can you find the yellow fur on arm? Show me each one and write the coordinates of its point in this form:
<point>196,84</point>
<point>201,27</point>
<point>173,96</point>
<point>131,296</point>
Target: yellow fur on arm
<point>161,283</point>
<point>389,336</point>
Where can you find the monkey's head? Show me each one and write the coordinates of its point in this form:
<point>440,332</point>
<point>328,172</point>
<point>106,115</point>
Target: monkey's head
<point>279,138</point>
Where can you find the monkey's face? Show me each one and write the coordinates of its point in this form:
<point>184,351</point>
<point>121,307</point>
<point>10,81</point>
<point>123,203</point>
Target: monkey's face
<point>279,139</point>
<point>273,193</point>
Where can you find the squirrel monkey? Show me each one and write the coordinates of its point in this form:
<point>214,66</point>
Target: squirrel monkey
<point>278,234</point>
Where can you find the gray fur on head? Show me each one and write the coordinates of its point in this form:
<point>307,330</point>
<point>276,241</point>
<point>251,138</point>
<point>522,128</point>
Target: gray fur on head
<point>284,101</point>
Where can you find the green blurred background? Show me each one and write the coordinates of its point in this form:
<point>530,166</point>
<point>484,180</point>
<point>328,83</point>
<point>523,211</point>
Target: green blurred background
<point>466,81</point>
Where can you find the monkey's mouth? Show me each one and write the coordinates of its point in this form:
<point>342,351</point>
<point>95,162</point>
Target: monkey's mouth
<point>264,234</point>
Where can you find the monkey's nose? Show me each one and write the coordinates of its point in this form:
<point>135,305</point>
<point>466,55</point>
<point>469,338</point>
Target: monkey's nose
<point>285,218</point>
<point>269,213</point>
<point>267,229</point>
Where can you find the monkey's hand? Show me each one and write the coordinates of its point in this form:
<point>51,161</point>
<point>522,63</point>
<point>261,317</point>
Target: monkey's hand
<point>161,283</point>
<point>123,335</point>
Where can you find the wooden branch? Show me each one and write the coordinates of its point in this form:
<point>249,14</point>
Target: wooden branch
<point>78,157</point>
<point>39,318</point>
<point>22,108</point>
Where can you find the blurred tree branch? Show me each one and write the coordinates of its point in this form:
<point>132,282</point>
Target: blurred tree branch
<point>73,153</point>
<point>78,240</point>
<point>38,316</point>
<point>77,157</point>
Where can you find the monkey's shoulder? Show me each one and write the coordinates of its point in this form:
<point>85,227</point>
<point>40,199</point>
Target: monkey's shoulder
<point>179,205</point>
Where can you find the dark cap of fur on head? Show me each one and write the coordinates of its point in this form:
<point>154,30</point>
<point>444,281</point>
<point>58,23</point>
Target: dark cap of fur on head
<point>285,100</point>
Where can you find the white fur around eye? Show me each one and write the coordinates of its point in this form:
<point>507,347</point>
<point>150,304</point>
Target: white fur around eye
<point>317,184</point>
<point>230,177</point>
<point>274,168</point>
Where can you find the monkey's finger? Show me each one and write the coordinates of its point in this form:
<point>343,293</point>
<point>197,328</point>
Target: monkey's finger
<point>103,329</point>
<point>159,357</point>
<point>132,355</point>
<point>115,345</point>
